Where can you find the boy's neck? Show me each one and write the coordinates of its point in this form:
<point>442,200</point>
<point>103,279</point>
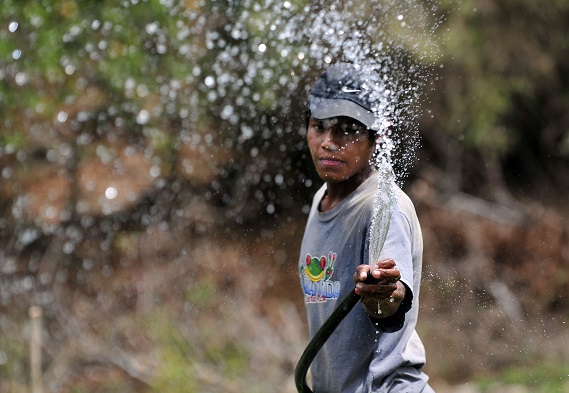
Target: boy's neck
<point>337,192</point>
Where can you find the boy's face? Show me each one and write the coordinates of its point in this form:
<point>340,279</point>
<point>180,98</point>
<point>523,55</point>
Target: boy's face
<point>341,148</point>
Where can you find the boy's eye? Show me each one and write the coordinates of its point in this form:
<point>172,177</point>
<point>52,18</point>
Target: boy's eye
<point>345,129</point>
<point>328,123</point>
<point>350,128</point>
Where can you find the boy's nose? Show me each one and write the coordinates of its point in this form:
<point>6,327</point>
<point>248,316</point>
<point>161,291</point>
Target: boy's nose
<point>329,142</point>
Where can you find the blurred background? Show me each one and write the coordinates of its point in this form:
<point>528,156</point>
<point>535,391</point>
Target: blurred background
<point>154,184</point>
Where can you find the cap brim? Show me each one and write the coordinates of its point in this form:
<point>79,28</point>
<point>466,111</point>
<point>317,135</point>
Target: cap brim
<point>324,108</point>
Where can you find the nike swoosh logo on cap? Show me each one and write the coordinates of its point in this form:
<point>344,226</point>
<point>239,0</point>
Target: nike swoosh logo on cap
<point>346,89</point>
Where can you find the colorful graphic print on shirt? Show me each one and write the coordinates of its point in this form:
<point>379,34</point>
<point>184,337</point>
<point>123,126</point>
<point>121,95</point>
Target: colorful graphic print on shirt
<point>315,276</point>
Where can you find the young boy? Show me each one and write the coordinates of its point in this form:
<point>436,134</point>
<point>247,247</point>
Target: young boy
<point>375,348</point>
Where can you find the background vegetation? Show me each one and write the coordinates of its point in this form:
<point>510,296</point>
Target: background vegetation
<point>154,185</point>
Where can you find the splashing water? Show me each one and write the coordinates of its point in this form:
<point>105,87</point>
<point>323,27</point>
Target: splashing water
<point>384,204</point>
<point>397,43</point>
<point>385,197</point>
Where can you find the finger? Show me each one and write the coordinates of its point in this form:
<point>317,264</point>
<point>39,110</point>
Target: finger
<point>391,275</point>
<point>387,263</point>
<point>362,272</point>
<point>382,291</point>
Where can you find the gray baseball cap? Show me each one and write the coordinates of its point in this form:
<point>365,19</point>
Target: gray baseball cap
<point>346,89</point>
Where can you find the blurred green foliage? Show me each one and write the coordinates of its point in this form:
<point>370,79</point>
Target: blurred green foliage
<point>14,355</point>
<point>203,295</point>
<point>184,360</point>
<point>541,378</point>
<point>501,96</point>
<point>175,371</point>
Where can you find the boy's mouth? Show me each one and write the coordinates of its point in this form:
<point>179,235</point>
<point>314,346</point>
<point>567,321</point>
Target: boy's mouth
<point>330,161</point>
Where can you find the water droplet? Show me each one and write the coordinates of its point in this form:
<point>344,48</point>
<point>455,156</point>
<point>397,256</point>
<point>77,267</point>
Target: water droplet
<point>152,28</point>
<point>68,247</point>
<point>143,117</point>
<point>111,193</point>
<point>226,112</point>
<point>209,81</point>
<point>142,90</point>
<point>270,208</point>
<point>21,78</point>
<point>62,116</point>
<point>12,27</point>
<point>69,69</point>
<point>155,171</point>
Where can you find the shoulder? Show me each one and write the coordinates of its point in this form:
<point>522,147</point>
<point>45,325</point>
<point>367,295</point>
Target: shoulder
<point>405,204</point>
<point>403,201</point>
<point>318,196</point>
